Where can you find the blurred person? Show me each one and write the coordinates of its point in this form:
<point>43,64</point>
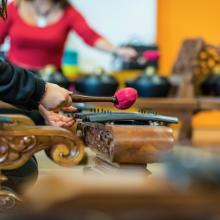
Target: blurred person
<point>38,30</point>
<point>21,87</point>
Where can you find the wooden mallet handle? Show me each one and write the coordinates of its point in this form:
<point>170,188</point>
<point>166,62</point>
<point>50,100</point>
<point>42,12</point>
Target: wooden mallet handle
<point>80,98</point>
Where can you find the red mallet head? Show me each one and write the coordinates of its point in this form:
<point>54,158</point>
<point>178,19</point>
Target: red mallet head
<point>125,98</point>
<point>151,55</point>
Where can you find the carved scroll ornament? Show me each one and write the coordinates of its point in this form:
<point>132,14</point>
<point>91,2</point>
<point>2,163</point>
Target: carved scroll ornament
<point>19,144</point>
<point>8,200</point>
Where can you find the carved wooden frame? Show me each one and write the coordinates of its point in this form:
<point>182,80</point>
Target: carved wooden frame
<point>20,140</point>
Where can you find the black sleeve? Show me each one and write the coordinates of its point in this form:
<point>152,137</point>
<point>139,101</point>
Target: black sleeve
<point>20,87</point>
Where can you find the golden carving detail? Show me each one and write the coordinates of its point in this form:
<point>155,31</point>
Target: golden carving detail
<point>8,200</point>
<point>19,144</point>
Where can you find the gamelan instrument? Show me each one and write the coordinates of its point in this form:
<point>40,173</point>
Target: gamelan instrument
<point>125,138</point>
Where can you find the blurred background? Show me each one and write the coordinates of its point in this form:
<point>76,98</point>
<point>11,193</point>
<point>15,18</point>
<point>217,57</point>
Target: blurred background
<point>121,21</point>
<point>169,51</point>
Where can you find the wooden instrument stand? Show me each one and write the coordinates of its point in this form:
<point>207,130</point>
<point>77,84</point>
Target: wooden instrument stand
<point>20,139</point>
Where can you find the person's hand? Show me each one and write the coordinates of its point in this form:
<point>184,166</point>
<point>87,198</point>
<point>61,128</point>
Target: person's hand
<point>127,53</point>
<point>56,97</point>
<point>55,119</point>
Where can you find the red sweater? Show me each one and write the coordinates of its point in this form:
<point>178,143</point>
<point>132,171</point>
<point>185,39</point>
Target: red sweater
<point>34,47</point>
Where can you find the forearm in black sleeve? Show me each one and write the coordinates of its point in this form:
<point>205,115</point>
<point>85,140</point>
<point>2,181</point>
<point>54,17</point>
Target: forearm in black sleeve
<point>19,86</point>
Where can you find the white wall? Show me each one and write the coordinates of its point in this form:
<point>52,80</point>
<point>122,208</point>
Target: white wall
<point>118,20</point>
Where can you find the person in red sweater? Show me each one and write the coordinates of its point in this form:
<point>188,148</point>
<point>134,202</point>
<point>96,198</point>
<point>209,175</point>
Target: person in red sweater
<point>20,87</point>
<point>38,30</point>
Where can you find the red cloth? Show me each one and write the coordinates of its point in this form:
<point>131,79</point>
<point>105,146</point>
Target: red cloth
<point>34,47</point>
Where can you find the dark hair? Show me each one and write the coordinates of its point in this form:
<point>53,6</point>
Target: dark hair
<point>3,6</point>
<point>62,3</point>
<point>3,9</point>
